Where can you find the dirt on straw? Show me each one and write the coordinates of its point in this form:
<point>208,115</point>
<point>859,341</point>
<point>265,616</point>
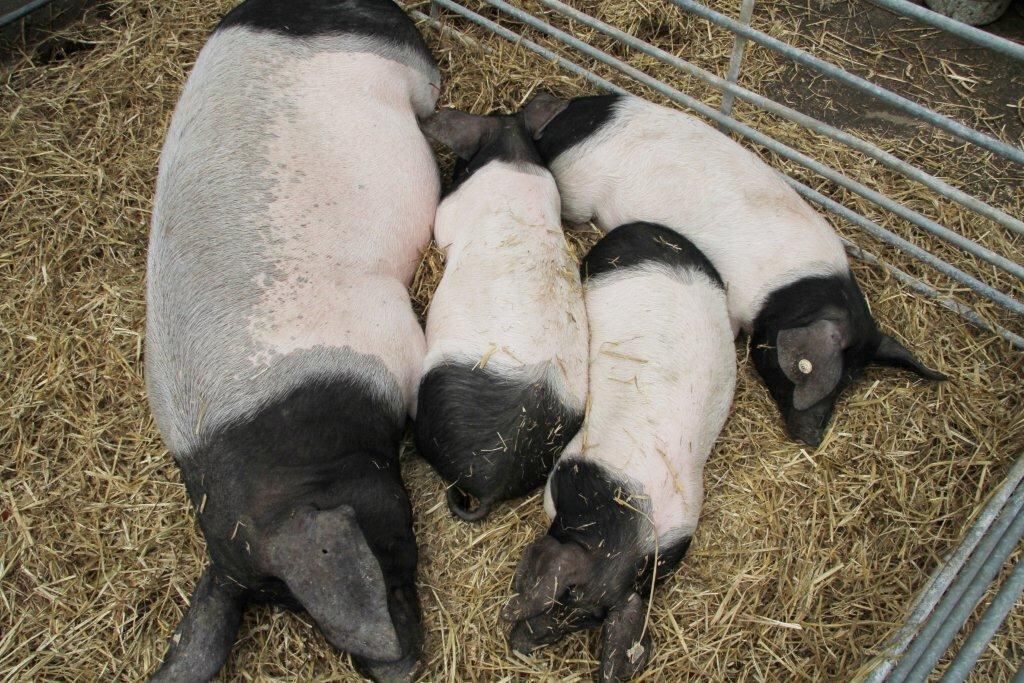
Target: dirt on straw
<point>804,560</point>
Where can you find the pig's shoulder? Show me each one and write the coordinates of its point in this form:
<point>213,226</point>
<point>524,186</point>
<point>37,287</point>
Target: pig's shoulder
<point>378,19</point>
<point>312,424</point>
<point>636,245</point>
<point>603,509</point>
<point>583,117</point>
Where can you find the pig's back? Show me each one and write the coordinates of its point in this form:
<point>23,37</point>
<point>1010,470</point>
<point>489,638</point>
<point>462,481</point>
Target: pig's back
<point>510,297</point>
<point>662,372</point>
<point>294,198</point>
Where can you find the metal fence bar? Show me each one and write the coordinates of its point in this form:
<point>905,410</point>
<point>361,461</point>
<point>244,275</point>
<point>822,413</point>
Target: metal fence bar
<point>730,88</point>
<point>940,581</point>
<point>950,626</point>
<point>444,29</point>
<point>736,60</point>
<point>957,28</point>
<point>881,233</point>
<point>930,292</point>
<point>899,102</point>
<point>986,627</point>
<point>978,286</point>
<point>963,594</point>
<point>539,49</point>
<point>23,11</point>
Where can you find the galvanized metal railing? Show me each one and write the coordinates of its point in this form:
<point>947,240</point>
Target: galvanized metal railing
<point>22,12</point>
<point>954,591</point>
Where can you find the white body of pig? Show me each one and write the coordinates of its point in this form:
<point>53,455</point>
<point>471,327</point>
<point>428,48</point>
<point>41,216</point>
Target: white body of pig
<point>621,159</point>
<point>294,200</point>
<point>505,374</point>
<point>510,299</point>
<point>625,497</point>
<point>662,377</point>
<point>652,163</point>
<point>274,258</point>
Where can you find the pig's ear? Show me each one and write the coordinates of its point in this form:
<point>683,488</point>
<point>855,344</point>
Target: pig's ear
<point>540,111</point>
<point>548,568</point>
<point>327,565</point>
<point>812,358</point>
<point>625,644</point>
<point>892,353</point>
<point>457,130</point>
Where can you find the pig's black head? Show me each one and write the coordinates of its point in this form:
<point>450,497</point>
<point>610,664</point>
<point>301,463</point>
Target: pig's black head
<point>350,589</point>
<point>302,504</point>
<point>590,569</point>
<point>564,587</point>
<point>479,140</point>
<point>319,561</point>
<point>810,340</point>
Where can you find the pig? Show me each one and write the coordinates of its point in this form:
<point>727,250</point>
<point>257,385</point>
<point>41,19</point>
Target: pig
<point>505,373</point>
<point>619,159</point>
<point>294,199</point>
<point>625,496</point>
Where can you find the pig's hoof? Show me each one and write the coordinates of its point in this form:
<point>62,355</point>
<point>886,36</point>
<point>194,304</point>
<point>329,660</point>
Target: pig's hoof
<point>618,667</point>
<point>466,507</point>
<point>403,670</point>
<point>625,643</point>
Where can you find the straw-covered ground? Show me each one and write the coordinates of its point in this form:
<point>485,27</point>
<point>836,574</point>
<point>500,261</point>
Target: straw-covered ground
<point>804,560</point>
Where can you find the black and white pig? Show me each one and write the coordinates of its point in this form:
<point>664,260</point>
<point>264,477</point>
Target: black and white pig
<point>625,497</point>
<point>295,197</point>
<point>619,159</point>
<point>505,374</point>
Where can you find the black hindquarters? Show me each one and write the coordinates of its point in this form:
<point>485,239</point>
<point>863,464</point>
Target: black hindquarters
<point>491,437</point>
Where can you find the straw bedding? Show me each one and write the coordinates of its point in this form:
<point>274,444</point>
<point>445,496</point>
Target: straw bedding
<point>803,563</point>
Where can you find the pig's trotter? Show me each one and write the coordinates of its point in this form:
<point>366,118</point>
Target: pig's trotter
<point>625,646</point>
<point>202,641</point>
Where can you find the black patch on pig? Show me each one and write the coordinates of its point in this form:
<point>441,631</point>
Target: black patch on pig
<point>507,140</point>
<point>611,519</point>
<point>799,304</point>
<point>492,437</point>
<point>636,244</point>
<point>381,19</point>
<point>328,442</point>
<point>581,118</point>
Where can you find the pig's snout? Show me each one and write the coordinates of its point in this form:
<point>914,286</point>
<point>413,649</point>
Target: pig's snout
<point>809,425</point>
<point>466,507</point>
<point>402,670</point>
<point>529,634</point>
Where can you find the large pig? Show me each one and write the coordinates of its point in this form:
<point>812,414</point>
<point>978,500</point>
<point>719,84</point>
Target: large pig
<point>625,497</point>
<point>504,378</point>
<point>295,196</point>
<point>620,158</point>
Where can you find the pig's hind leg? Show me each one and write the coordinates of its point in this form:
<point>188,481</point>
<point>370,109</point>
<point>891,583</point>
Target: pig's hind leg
<point>202,641</point>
